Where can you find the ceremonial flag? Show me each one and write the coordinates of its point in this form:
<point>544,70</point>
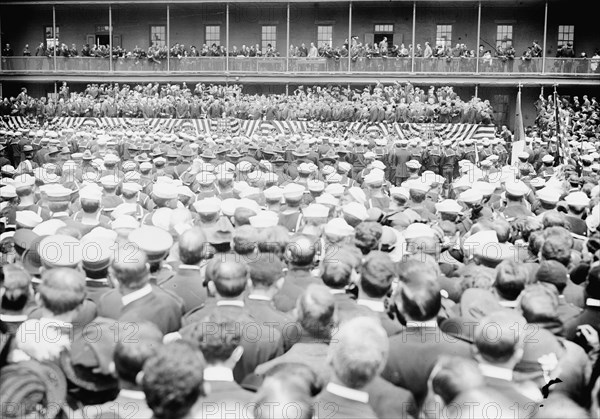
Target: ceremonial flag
<point>518,144</point>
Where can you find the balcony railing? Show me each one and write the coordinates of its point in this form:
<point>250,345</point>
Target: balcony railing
<point>281,65</point>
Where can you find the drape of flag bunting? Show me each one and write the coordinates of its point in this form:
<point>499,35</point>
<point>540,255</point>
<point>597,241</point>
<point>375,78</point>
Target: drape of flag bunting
<point>238,127</point>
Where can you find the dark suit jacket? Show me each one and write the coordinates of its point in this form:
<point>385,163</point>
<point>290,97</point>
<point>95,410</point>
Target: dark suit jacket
<point>523,405</point>
<point>260,343</point>
<point>414,352</point>
<point>329,405</point>
<point>157,307</point>
<point>187,284</point>
<point>589,315</point>
<point>166,313</point>
<point>390,401</point>
<point>296,281</point>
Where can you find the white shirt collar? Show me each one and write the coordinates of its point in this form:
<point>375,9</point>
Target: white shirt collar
<point>132,394</point>
<point>259,297</point>
<point>189,267</point>
<point>236,303</point>
<point>348,393</point>
<point>372,304</point>
<point>428,324</point>
<point>13,317</point>
<point>592,302</point>
<point>136,295</point>
<point>508,304</point>
<point>336,292</point>
<point>496,372</point>
<point>218,373</point>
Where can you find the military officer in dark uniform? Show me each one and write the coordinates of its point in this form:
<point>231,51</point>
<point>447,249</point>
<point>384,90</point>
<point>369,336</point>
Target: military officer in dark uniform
<point>433,157</point>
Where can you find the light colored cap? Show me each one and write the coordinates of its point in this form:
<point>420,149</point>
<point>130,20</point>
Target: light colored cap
<point>60,250</point>
<point>374,177</point>
<point>549,195</point>
<point>316,211</point>
<point>164,191</point>
<point>48,227</point>
<point>517,188</point>
<point>316,185</point>
<point>471,196</point>
<point>274,193</point>
<point>358,194</point>
<point>577,199</point>
<point>125,222</point>
<point>152,240</point>
<point>338,227</point>
<point>27,219</point>
<point>264,219</point>
<point>293,191</point>
<point>449,206</point>
<point>208,205</point>
<point>91,193</point>
<point>327,199</point>
<point>356,210</point>
<point>335,189</point>
<point>229,205</point>
<point>418,230</point>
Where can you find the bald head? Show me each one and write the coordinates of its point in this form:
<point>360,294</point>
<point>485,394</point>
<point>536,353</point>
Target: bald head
<point>62,290</point>
<point>192,245</point>
<point>359,351</point>
<point>229,277</point>
<point>300,251</point>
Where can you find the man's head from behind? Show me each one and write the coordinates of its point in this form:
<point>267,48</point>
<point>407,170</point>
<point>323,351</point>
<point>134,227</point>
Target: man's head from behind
<point>227,277</point>
<point>359,352</point>
<point>192,246</point>
<point>62,291</point>
<point>174,380</point>
<point>499,339</point>
<point>315,311</point>
<point>377,274</point>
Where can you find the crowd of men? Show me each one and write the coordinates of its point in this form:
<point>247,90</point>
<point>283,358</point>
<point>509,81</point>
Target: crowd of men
<point>395,103</point>
<point>177,275</point>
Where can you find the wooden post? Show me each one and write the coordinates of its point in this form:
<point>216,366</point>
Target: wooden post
<point>349,37</point>
<point>545,37</point>
<point>414,35</point>
<point>478,38</point>
<point>168,37</point>
<point>110,38</point>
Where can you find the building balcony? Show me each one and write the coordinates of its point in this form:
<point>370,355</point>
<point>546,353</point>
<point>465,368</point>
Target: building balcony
<point>572,67</point>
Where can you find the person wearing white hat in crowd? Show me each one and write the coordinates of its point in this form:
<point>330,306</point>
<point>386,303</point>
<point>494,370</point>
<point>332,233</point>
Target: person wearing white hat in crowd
<point>577,204</point>
<point>291,215</point>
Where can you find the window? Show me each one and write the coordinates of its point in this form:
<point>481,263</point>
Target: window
<point>324,35</point>
<point>269,36</point>
<point>566,33</point>
<point>158,35</point>
<point>51,40</point>
<point>504,36</point>
<point>384,28</point>
<point>443,36</point>
<point>212,35</point>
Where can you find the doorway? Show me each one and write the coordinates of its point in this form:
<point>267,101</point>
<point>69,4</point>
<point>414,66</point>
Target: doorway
<point>102,39</point>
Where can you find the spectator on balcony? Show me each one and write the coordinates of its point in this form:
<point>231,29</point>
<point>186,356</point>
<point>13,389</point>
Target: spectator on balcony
<point>40,51</point>
<point>271,52</point>
<point>526,60</point>
<point>302,51</point>
<point>26,51</point>
<point>383,47</point>
<point>86,51</point>
<point>313,52</point>
<point>7,51</point>
<point>595,62</point>
<point>73,51</point>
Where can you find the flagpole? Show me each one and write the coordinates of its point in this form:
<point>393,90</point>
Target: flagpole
<point>557,127</point>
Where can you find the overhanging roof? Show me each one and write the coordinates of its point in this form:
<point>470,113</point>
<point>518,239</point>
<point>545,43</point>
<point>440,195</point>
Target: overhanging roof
<point>441,3</point>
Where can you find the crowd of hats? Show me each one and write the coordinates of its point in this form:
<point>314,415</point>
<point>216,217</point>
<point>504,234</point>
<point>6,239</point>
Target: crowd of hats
<point>328,103</point>
<point>490,225</point>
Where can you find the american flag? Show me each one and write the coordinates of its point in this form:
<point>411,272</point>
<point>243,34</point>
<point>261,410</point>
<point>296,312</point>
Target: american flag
<point>247,128</point>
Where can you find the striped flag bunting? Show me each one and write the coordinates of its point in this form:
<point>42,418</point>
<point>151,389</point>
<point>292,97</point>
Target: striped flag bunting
<point>247,128</point>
